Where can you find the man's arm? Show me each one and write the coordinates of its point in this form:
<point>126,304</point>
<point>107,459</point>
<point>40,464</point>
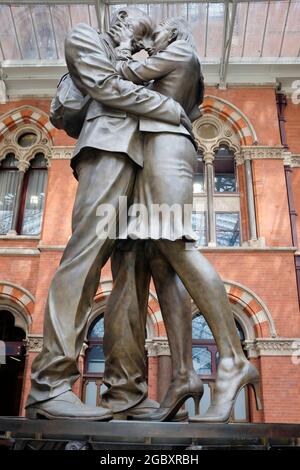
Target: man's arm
<point>95,75</point>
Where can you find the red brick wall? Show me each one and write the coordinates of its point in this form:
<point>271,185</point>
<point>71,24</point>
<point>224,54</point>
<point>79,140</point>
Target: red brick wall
<point>271,202</point>
<point>292,116</point>
<point>259,105</point>
<point>296,193</point>
<point>270,275</point>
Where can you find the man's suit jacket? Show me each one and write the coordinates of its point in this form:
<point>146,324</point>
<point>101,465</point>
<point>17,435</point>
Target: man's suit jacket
<point>111,121</point>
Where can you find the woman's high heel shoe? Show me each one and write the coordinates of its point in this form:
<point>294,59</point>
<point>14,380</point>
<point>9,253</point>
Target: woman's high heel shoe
<point>179,391</point>
<point>222,404</point>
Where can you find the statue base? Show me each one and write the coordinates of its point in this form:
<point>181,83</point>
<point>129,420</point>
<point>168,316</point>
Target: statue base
<point>21,433</point>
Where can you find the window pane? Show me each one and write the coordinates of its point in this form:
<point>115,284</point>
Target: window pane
<point>25,32</point>
<point>97,330</point>
<point>8,191</point>
<point>228,229</point>
<point>215,28</point>
<point>96,360</point>
<point>200,329</point>
<point>240,407</point>
<point>224,167</point>
<point>198,182</point>
<point>199,227</point>
<point>44,31</point>
<point>9,43</point>
<point>290,47</point>
<point>257,15</point>
<point>202,360</point>
<point>34,202</point>
<point>91,393</point>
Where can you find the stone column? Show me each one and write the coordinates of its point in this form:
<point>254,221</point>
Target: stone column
<point>22,167</point>
<point>208,158</point>
<point>159,347</point>
<point>250,197</point>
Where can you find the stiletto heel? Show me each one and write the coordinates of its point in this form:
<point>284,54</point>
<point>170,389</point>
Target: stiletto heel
<point>223,401</point>
<point>197,399</point>
<point>180,390</point>
<point>257,394</point>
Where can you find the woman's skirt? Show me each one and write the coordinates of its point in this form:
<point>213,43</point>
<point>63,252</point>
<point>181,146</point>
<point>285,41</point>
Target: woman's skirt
<point>163,194</point>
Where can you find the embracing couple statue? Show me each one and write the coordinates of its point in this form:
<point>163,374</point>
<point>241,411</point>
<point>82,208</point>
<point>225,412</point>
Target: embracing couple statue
<point>135,142</point>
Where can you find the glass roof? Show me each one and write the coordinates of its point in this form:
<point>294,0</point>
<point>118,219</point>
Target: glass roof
<point>35,30</point>
<point>232,32</point>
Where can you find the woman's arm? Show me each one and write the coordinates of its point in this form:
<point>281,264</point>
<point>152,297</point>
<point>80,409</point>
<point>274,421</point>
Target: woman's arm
<point>152,68</point>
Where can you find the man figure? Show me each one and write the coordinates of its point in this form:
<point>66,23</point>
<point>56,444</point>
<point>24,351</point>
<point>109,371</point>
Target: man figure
<point>105,159</point>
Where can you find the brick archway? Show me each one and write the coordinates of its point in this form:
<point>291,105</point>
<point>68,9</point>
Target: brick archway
<point>19,301</point>
<point>234,117</point>
<point>26,115</point>
<point>154,313</point>
<point>256,311</point>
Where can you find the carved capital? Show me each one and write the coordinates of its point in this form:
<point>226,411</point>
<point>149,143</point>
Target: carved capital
<point>273,347</point>
<point>34,343</point>
<point>23,165</point>
<point>239,158</point>
<point>208,158</point>
<point>158,347</point>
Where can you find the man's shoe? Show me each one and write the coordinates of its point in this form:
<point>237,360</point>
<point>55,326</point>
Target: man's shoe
<point>67,406</point>
<point>146,407</point>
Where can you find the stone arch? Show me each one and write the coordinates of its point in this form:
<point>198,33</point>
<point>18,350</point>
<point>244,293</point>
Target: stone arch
<point>233,116</point>
<point>155,325</point>
<point>249,310</point>
<point>19,301</point>
<point>26,115</point>
<point>252,311</point>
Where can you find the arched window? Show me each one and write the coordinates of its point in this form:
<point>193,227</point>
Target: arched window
<point>8,191</point>
<point>216,205</point>
<point>12,368</point>
<point>33,197</point>
<point>224,169</point>
<point>22,195</point>
<point>94,364</point>
<point>205,362</point>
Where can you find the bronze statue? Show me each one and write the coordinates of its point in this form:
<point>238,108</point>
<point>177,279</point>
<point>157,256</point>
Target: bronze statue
<point>118,104</point>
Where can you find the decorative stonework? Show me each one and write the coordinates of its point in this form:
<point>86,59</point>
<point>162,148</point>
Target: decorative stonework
<point>237,123</point>
<point>18,295</point>
<point>158,347</point>
<point>295,161</point>
<point>25,116</point>
<point>15,126</point>
<point>256,152</point>
<point>34,343</point>
<point>273,347</point>
<point>62,153</point>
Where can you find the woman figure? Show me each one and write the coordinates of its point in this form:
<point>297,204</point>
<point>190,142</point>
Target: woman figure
<point>173,69</point>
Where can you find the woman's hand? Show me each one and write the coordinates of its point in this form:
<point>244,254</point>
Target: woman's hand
<point>122,34</point>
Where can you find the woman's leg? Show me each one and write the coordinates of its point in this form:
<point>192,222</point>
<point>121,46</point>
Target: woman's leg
<point>207,289</point>
<point>175,305</point>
